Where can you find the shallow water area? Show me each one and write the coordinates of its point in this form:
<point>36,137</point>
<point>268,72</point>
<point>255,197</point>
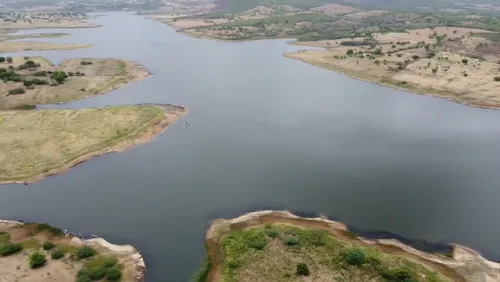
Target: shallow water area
<point>266,131</point>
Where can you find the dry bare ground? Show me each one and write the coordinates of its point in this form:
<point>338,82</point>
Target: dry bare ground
<point>42,23</point>
<point>101,76</point>
<point>228,237</point>
<point>46,142</point>
<point>18,46</point>
<point>335,9</point>
<point>450,74</point>
<point>16,268</point>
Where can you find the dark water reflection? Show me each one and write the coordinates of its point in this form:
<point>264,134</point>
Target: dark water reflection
<point>267,131</point>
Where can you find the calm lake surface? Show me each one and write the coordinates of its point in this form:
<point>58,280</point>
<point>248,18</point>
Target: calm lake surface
<point>267,132</point>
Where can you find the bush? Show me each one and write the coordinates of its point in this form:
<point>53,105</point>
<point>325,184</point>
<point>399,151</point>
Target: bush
<point>27,83</point>
<point>355,256</point>
<point>349,52</point>
<point>85,252</point>
<point>466,75</point>
<point>9,60</point>
<point>56,254</point>
<point>71,73</point>
<point>431,55</point>
<point>415,57</point>
<point>2,59</point>
<point>26,58</point>
<point>497,78</point>
<point>272,232</point>
<point>257,243</point>
<point>40,73</point>
<point>465,61</point>
<point>48,245</point>
<point>37,260</point>
<point>83,63</point>
<point>302,269</point>
<point>17,91</point>
<point>59,76</point>
<point>113,274</point>
<point>97,273</point>
<point>290,241</point>
<point>37,81</point>
<point>8,249</point>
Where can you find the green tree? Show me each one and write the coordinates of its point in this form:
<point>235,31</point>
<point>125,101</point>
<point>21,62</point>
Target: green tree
<point>2,59</point>
<point>9,59</point>
<point>349,52</point>
<point>355,256</point>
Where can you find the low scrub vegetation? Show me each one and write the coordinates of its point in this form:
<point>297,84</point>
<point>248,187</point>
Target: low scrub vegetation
<point>37,260</point>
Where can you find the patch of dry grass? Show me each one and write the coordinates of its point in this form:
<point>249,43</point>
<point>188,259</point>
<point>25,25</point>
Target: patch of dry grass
<point>45,142</point>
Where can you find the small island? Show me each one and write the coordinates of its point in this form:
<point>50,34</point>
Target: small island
<point>280,246</point>
<point>40,252</point>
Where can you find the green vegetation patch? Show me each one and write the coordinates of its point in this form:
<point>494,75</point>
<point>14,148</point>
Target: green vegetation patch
<point>201,275</point>
<point>37,260</point>
<point>4,236</point>
<point>281,252</point>
<point>30,244</point>
<point>99,268</point>
<point>7,249</point>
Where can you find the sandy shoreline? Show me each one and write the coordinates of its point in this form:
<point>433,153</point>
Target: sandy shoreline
<point>171,114</point>
<point>122,250</point>
<point>464,265</point>
<point>397,87</point>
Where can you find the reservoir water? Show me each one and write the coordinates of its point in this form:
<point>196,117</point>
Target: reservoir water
<point>266,132</point>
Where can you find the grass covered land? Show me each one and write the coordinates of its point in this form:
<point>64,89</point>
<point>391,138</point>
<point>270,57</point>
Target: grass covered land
<point>39,253</point>
<point>44,142</point>
<point>34,80</point>
<point>278,246</point>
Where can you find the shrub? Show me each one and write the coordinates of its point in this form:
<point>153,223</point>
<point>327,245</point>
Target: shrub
<point>113,274</point>
<point>290,241</point>
<point>83,63</point>
<point>48,245</point>
<point>26,58</point>
<point>232,263</point>
<point>40,73</point>
<point>272,232</point>
<point>17,91</point>
<point>355,256</point>
<point>8,249</point>
<point>71,73</point>
<point>2,59</point>
<point>349,52</point>
<point>59,76</point>
<point>9,60</point>
<point>497,78</point>
<point>56,254</point>
<point>466,75</point>
<point>37,81</point>
<point>302,269</point>
<point>415,57</point>
<point>97,273</point>
<point>434,70</point>
<point>465,61</point>
<point>257,243</point>
<point>27,83</point>
<point>85,252</point>
<point>431,55</point>
<point>83,276</point>
<point>37,260</point>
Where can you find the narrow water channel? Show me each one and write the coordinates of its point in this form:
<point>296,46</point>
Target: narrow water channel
<point>266,132</point>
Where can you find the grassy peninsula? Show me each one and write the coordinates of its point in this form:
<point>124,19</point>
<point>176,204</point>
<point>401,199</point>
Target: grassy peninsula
<point>279,246</point>
<point>34,80</point>
<point>38,252</point>
<point>45,142</point>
